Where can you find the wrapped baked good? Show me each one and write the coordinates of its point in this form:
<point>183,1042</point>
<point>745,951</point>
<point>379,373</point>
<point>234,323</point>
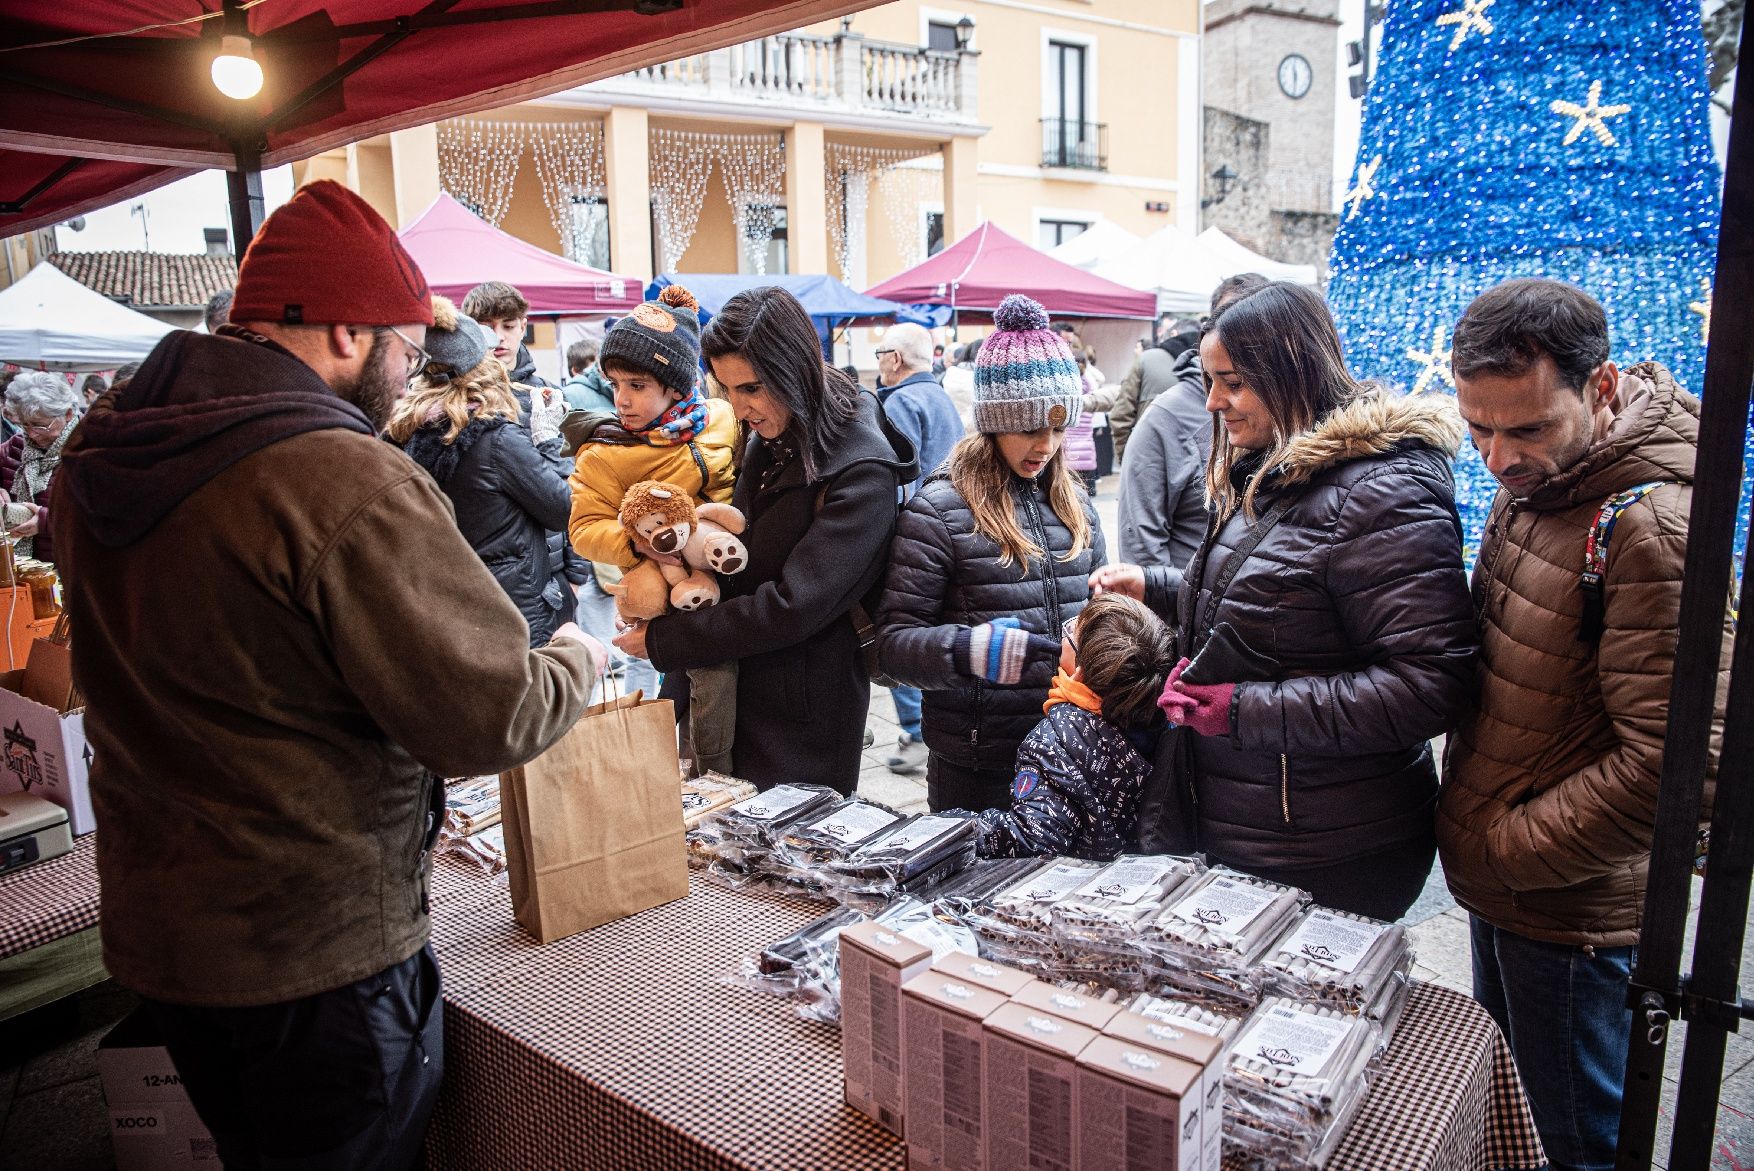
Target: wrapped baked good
<point>909,857</point>
<point>1185,1014</point>
<point>1014,925</point>
<point>1109,909</point>
<point>733,844</point>
<point>1334,957</point>
<point>710,793</point>
<point>1211,935</point>
<point>472,804</point>
<point>809,844</point>
<point>484,848</point>
<point>1294,1079</point>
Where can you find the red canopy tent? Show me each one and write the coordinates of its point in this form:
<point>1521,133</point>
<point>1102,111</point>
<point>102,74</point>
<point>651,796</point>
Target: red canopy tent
<point>457,250</point>
<point>978,271</point>
<point>103,99</point>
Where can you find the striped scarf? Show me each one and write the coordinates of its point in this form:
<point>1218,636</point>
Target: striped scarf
<point>684,419</point>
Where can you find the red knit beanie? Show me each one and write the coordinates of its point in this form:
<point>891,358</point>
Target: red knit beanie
<point>326,258</point>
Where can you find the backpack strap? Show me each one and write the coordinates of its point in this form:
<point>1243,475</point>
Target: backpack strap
<point>1594,622</point>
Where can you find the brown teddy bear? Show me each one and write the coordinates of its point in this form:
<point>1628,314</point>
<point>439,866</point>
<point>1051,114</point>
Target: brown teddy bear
<point>704,536</point>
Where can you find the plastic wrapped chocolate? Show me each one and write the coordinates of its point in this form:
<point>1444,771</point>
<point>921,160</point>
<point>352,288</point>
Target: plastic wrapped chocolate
<point>733,844</point>
<point>1294,1079</point>
<point>1333,957</point>
<point>1015,924</point>
<point>809,844</point>
<point>472,804</point>
<point>1110,908</point>
<point>1185,1014</point>
<point>910,857</point>
<point>1211,935</point>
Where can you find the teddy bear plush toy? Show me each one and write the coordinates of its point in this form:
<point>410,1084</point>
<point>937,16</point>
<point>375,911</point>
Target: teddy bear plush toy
<point>704,536</point>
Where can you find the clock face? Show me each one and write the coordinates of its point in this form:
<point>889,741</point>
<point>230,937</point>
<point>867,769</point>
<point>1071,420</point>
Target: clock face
<point>1295,76</point>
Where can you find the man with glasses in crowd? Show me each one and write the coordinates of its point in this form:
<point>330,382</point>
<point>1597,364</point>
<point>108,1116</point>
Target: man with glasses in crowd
<point>284,642</point>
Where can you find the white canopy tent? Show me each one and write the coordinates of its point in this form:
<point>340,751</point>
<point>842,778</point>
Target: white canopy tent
<point>1184,270</point>
<point>1102,241</point>
<point>49,321</point>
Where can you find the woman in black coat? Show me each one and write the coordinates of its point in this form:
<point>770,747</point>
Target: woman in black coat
<point>459,421</point>
<point>818,487</point>
<point>1330,595</point>
<point>991,559</point>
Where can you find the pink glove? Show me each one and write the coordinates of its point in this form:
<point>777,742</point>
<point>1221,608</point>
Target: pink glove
<point>1210,711</point>
<point>1176,706</point>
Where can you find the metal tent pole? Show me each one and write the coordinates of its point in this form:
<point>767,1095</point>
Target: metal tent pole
<point>1658,994</point>
<point>244,188</point>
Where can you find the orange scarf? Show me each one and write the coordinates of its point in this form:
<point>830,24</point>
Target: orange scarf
<point>1066,689</point>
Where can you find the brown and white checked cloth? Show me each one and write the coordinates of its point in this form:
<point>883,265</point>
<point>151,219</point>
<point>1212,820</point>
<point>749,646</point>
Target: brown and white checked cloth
<point>46,901</point>
<point>622,1049</point>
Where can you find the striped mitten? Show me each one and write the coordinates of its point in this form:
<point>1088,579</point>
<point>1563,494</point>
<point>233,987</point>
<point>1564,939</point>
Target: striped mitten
<point>999,650</point>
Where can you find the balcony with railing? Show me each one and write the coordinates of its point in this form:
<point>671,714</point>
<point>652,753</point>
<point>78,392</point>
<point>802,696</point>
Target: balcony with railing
<point>1079,146</point>
<point>844,73</point>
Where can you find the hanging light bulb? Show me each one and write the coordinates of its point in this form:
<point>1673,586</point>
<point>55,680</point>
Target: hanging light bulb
<point>235,71</point>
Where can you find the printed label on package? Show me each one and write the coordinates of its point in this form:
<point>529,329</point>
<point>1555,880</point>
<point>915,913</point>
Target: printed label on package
<point>778,800</point>
<point>1170,1013</point>
<point>1334,941</point>
<point>1050,885</point>
<point>916,834</point>
<point>1293,1041</point>
<point>1227,906</point>
<point>854,823</point>
<point>1125,883</point>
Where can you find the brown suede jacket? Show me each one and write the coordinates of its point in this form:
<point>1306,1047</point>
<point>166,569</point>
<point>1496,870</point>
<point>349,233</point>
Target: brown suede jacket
<point>1549,797</point>
<point>280,641</point>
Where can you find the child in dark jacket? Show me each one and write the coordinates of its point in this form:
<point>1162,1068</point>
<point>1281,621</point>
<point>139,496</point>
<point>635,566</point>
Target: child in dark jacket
<point>1081,770</point>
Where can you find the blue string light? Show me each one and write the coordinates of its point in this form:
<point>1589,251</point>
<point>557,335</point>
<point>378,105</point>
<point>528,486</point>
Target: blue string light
<point>1464,179</point>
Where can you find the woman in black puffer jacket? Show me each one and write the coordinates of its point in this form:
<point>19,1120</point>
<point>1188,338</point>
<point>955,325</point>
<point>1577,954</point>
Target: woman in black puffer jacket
<point>459,421</point>
<point>990,560</point>
<point>1334,560</point>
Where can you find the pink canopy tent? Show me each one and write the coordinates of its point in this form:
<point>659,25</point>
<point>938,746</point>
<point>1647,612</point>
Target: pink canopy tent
<point>457,250</point>
<point>978,271</point>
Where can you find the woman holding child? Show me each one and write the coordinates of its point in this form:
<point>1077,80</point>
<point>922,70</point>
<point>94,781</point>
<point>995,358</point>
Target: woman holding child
<point>992,558</point>
<point>1326,614</point>
<point>817,486</point>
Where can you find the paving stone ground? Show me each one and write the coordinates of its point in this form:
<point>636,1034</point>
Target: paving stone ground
<point>52,1114</point>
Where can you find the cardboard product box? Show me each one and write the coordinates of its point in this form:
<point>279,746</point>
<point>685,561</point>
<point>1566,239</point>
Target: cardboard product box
<point>941,1020</point>
<point>874,963</point>
<point>1073,1006</point>
<point>1136,1109</point>
<point>31,830</point>
<point>153,1125</point>
<point>982,973</point>
<point>43,750</point>
<point>1029,1065</point>
<point>1198,1049</point>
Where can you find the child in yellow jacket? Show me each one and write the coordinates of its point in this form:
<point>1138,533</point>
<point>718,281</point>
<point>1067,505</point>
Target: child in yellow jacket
<point>665,428</point>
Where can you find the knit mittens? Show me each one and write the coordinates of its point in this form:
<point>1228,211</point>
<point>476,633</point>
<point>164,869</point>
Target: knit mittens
<point>998,651</point>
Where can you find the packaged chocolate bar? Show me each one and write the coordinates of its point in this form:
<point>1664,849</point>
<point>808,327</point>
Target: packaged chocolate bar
<point>912,856</point>
<point>1294,1079</point>
<point>1333,957</point>
<point>1207,940</point>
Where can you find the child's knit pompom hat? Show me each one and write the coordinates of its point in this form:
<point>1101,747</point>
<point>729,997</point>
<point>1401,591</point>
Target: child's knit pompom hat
<point>1025,377</point>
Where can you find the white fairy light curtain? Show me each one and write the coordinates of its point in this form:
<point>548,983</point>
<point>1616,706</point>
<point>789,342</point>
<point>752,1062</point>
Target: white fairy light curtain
<point>570,166</point>
<point>478,163</point>
<point>753,167</point>
<point>889,181</point>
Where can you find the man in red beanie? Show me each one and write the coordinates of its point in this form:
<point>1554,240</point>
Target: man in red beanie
<point>282,638</point>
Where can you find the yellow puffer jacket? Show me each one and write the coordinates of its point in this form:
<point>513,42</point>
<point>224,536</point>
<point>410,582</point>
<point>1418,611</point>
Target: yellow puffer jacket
<point>604,471</point>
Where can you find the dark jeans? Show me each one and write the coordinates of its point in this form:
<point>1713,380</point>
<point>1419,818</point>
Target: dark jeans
<point>343,1079</point>
<point>1563,1009</point>
<point>1381,885</point>
<point>950,786</point>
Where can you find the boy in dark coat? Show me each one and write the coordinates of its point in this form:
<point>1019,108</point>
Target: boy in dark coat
<point>1081,770</point>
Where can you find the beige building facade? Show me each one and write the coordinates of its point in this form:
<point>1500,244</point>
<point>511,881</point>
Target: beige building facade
<point>854,147</point>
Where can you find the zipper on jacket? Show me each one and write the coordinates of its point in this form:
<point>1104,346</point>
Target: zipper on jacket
<point>1049,594</point>
<point>700,465</point>
<point>1285,787</point>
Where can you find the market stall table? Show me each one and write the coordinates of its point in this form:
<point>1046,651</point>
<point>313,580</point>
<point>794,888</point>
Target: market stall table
<point>48,929</point>
<point>621,1048</point>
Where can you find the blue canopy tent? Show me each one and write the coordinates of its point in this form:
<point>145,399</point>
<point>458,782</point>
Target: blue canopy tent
<point>830,304</point>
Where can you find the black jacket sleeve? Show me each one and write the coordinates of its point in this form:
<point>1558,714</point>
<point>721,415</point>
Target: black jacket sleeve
<point>531,479</point>
<point>823,576</point>
<point>913,647</point>
<point>1045,821</point>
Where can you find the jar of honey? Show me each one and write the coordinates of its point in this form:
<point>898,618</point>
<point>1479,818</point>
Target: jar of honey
<point>45,594</point>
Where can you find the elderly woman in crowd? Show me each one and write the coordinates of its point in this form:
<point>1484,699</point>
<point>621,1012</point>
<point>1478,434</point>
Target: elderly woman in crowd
<point>44,406</point>
<point>1326,615</point>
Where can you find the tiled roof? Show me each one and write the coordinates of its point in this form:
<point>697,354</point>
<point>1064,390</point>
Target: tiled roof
<point>150,280</point>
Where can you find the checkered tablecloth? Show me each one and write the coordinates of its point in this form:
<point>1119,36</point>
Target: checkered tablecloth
<point>46,901</point>
<point>621,1049</point>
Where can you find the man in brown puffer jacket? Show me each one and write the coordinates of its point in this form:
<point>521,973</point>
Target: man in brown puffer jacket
<point>1550,788</point>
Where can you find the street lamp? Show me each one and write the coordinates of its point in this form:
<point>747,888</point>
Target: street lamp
<point>964,34</point>
<point>1226,177</point>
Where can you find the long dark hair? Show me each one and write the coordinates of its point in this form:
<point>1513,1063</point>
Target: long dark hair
<point>769,329</point>
<point>1282,342</point>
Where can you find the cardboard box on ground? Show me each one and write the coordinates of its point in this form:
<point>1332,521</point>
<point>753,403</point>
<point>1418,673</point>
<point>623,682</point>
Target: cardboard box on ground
<point>153,1125</point>
<point>43,749</point>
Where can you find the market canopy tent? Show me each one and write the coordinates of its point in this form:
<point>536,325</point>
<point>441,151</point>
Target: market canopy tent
<point>978,271</point>
<point>1101,242</point>
<point>457,250</point>
<point>828,302</point>
<point>49,321</point>
<point>1184,270</point>
<point>105,99</point>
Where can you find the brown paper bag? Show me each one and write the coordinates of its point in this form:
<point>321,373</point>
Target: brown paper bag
<point>593,826</point>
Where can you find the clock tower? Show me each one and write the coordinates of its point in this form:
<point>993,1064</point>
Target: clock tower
<point>1267,71</point>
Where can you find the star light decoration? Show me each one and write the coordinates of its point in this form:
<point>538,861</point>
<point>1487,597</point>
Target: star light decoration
<point>1703,308</point>
<point>1434,361</point>
<point>1471,19</point>
<point>1365,186</point>
<point>1591,116</point>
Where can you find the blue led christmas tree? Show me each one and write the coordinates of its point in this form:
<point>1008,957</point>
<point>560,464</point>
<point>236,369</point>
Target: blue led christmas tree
<point>1501,138</point>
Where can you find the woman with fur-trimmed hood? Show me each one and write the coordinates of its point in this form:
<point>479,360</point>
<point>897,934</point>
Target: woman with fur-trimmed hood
<point>459,421</point>
<point>1326,616</point>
